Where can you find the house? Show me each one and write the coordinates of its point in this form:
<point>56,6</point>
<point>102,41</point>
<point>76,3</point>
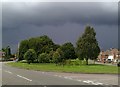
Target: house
<point>111,55</point>
<point>2,55</point>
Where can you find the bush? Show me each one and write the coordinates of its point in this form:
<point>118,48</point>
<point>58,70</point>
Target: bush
<point>43,58</point>
<point>58,57</point>
<point>68,62</point>
<point>50,56</point>
<point>30,56</point>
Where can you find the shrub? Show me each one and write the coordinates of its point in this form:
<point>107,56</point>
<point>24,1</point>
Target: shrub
<point>30,56</point>
<point>58,57</point>
<point>43,58</point>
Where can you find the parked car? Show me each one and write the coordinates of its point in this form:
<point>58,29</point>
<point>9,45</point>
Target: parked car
<point>109,61</point>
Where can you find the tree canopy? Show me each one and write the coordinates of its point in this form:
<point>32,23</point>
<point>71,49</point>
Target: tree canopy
<point>87,45</point>
<point>22,49</point>
<point>30,56</point>
<point>58,57</point>
<point>68,50</point>
<point>42,44</point>
<point>7,51</point>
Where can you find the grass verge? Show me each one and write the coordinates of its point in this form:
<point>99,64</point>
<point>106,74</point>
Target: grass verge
<point>92,68</point>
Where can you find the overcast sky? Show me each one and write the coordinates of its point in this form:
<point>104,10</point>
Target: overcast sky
<point>61,21</point>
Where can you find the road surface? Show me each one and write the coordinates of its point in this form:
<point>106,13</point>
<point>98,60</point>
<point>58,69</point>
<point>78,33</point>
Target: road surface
<point>15,76</point>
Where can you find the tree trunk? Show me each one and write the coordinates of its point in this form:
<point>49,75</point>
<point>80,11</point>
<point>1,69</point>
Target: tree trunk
<point>86,61</point>
<point>94,61</point>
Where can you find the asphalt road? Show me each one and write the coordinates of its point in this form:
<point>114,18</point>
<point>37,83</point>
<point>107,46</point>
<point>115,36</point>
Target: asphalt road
<point>15,76</point>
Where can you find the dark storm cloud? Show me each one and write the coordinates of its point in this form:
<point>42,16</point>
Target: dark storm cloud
<point>63,21</point>
<point>58,13</point>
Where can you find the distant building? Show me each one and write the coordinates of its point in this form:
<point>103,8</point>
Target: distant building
<point>111,55</point>
<point>2,55</point>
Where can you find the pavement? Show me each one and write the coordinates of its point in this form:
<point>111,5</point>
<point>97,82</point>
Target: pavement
<point>110,64</point>
<point>15,76</point>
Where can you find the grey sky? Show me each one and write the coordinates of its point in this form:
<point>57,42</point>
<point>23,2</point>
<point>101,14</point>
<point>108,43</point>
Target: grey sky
<point>61,21</point>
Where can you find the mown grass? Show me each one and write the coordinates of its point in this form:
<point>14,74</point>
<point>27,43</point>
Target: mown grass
<point>92,68</point>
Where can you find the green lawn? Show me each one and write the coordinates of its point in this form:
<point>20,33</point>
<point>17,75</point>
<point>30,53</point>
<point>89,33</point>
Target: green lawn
<point>92,68</point>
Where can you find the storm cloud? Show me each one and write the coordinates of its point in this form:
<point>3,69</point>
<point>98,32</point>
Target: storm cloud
<point>61,21</point>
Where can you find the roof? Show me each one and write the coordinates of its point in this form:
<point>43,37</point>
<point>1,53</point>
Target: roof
<point>110,52</point>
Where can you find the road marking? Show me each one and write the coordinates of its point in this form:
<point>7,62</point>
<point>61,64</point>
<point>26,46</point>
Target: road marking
<point>94,83</point>
<point>69,78</point>
<point>24,78</point>
<point>66,77</point>
<point>86,81</point>
<point>8,72</point>
<point>99,83</point>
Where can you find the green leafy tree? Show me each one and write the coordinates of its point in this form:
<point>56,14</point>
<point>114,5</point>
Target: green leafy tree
<point>43,58</point>
<point>42,44</point>
<point>87,45</point>
<point>68,51</point>
<point>7,51</point>
<point>58,57</point>
<point>30,56</point>
<point>23,48</point>
<point>3,49</point>
<point>50,56</point>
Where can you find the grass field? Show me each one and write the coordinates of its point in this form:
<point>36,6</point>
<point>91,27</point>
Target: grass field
<point>92,68</point>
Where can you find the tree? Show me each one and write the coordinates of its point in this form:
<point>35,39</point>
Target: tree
<point>58,57</point>
<point>42,44</point>
<point>50,56</point>
<point>23,48</point>
<point>43,58</point>
<point>7,51</point>
<point>30,56</point>
<point>68,51</point>
<point>87,45</point>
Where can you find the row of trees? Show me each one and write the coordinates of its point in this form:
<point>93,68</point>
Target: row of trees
<point>42,44</point>
<point>43,50</point>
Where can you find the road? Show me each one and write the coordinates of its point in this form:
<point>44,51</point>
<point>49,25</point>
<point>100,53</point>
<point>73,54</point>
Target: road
<point>15,76</point>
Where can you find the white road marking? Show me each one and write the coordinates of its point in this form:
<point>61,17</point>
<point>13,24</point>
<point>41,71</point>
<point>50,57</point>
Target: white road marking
<point>99,83</point>
<point>86,81</point>
<point>8,72</point>
<point>24,78</point>
<point>68,78</point>
<point>94,83</point>
<point>58,75</point>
